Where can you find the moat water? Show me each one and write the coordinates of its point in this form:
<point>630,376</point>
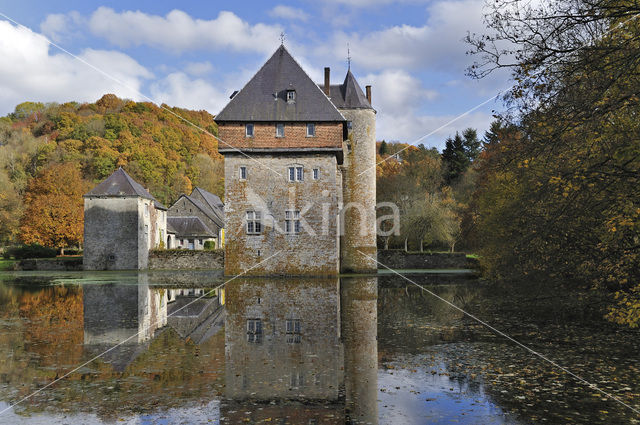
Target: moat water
<point>180,347</point>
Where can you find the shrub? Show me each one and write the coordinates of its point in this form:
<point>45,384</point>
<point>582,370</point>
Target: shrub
<point>210,245</point>
<point>29,251</point>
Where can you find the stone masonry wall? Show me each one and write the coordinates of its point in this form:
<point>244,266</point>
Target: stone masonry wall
<point>397,259</point>
<point>184,259</point>
<point>359,193</point>
<point>111,233</point>
<point>295,136</point>
<point>267,189</point>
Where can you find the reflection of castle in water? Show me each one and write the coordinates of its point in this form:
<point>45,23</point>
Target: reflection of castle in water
<point>122,319</point>
<point>305,350</point>
<point>300,350</point>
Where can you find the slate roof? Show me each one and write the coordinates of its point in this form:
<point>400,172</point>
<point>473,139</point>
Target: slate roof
<point>213,202</point>
<point>348,95</point>
<point>216,217</point>
<point>188,226</point>
<point>264,97</point>
<point>121,185</point>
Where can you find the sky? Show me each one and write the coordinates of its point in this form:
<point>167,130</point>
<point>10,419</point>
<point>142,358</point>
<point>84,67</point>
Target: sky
<point>194,54</point>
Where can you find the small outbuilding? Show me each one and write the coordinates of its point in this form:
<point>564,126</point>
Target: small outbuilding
<point>205,206</point>
<point>188,233</point>
<point>122,222</point>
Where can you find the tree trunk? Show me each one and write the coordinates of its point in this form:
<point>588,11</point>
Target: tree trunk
<point>386,243</point>
<point>453,245</point>
<point>421,245</point>
<point>406,244</point>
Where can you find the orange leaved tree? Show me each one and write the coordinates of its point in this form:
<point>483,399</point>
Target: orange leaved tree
<point>54,208</point>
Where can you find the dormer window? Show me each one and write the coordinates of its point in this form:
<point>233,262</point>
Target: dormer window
<point>248,130</point>
<point>279,130</point>
<point>291,96</point>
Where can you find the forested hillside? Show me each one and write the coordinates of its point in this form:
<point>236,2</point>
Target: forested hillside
<point>59,151</point>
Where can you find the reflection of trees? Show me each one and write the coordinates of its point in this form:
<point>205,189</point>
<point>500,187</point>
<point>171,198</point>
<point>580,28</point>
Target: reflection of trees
<point>169,371</point>
<point>410,319</point>
<point>566,326</point>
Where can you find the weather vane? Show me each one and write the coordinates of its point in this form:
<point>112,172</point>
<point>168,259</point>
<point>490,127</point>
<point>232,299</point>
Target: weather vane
<point>348,57</point>
<point>282,38</point>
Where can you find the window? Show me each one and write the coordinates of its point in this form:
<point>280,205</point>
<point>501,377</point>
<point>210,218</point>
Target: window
<point>248,130</point>
<point>146,210</point>
<point>297,380</point>
<point>316,173</point>
<point>254,222</point>
<point>292,221</point>
<point>279,130</point>
<point>296,173</point>
<point>311,130</point>
<point>293,331</point>
<point>291,95</point>
<point>243,173</point>
<point>349,125</point>
<point>254,330</point>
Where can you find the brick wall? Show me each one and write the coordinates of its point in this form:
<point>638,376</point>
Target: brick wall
<point>328,135</point>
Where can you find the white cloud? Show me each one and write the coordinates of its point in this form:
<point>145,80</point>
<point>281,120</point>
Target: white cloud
<point>372,3</point>
<point>287,12</point>
<point>402,102</point>
<point>179,32</point>
<point>61,26</point>
<point>397,90</point>
<point>199,68</point>
<point>436,45</point>
<point>178,89</point>
<point>412,128</point>
<point>30,71</point>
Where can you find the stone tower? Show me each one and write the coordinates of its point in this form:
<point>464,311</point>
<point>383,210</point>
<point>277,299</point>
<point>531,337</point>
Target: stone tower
<point>358,219</point>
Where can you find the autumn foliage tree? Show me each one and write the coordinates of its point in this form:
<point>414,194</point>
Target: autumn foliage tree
<point>163,148</point>
<point>54,209</point>
<point>560,203</point>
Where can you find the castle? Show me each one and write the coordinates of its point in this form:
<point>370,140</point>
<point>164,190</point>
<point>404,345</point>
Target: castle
<point>300,188</point>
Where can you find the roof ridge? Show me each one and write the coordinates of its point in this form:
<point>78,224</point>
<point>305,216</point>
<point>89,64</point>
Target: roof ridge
<point>196,202</point>
<point>281,71</point>
<point>321,91</point>
<point>252,77</point>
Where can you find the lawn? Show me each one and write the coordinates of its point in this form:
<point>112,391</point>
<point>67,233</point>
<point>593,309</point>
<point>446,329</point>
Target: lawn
<point>7,264</point>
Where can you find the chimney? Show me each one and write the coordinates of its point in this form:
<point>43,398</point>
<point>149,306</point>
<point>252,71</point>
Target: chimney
<point>327,81</point>
<point>368,88</point>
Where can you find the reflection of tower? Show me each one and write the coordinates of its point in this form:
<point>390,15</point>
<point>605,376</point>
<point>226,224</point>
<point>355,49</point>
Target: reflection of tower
<point>127,314</point>
<point>358,303</point>
<point>282,344</point>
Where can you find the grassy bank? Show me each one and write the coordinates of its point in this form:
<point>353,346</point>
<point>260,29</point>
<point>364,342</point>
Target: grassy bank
<point>7,264</point>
